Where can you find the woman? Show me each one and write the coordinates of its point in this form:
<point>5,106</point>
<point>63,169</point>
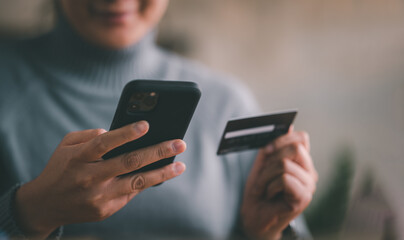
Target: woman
<point>70,79</point>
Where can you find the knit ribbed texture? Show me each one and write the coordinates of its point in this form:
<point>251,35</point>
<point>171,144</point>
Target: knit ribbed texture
<point>7,222</point>
<point>67,53</point>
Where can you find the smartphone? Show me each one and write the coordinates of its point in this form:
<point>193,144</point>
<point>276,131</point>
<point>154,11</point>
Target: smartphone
<point>167,106</point>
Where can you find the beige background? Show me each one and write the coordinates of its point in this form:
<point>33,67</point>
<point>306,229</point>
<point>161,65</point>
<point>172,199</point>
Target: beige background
<point>340,62</point>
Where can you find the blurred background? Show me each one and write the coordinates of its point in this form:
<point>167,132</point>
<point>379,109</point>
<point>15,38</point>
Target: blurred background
<point>340,62</point>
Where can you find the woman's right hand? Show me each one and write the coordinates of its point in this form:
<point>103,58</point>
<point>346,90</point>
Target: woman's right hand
<point>78,186</point>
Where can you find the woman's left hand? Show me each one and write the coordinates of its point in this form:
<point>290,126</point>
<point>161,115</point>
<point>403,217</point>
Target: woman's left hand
<point>280,186</point>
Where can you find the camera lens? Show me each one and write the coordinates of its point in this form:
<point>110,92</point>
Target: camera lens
<point>133,107</point>
<point>138,96</point>
<point>149,101</point>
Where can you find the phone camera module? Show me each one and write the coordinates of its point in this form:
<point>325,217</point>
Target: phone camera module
<point>134,107</point>
<point>142,102</point>
<point>150,101</point>
<point>138,96</point>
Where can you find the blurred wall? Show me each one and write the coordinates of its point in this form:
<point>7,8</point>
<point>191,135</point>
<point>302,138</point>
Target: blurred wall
<point>341,63</point>
<point>25,18</point>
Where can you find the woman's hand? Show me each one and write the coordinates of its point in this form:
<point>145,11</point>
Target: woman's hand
<point>78,186</point>
<point>280,186</point>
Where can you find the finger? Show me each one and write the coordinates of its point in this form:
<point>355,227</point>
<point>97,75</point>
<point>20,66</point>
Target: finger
<point>275,162</point>
<point>296,196</point>
<point>296,152</point>
<point>277,186</point>
<point>300,155</point>
<point>136,183</point>
<point>288,184</point>
<point>78,137</point>
<point>291,128</point>
<point>304,159</point>
<point>304,177</point>
<point>288,139</point>
<point>100,145</point>
<point>132,161</point>
<point>265,168</point>
<point>278,168</point>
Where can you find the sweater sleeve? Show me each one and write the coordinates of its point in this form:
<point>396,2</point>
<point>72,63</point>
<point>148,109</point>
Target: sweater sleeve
<point>7,222</point>
<point>8,225</point>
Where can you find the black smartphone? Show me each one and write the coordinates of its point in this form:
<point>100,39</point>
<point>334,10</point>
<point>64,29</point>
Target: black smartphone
<point>167,106</point>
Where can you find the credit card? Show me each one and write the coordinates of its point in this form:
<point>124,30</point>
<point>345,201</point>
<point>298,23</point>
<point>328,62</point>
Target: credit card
<point>254,132</point>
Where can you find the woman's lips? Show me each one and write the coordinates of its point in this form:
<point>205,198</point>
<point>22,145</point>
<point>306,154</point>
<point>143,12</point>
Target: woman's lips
<point>112,17</point>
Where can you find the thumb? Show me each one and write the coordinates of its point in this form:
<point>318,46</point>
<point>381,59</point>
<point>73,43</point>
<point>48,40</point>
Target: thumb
<point>291,128</point>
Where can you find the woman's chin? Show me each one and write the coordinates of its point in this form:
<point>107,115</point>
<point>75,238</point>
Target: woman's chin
<point>116,39</point>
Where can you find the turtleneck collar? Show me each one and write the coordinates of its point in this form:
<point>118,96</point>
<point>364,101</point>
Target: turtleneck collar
<point>66,39</point>
<point>68,53</point>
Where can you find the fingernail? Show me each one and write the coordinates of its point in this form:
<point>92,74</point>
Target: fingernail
<point>177,146</point>
<point>178,168</point>
<point>141,126</point>
<point>269,148</point>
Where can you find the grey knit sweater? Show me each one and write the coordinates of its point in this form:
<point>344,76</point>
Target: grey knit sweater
<point>58,83</point>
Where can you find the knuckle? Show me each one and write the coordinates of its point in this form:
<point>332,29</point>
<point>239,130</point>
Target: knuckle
<point>93,208</point>
<point>293,207</point>
<point>99,131</point>
<point>138,183</point>
<point>163,151</point>
<point>84,182</point>
<point>160,152</point>
<point>315,176</point>
<point>311,187</point>
<point>294,147</point>
<point>163,174</point>
<point>305,136</point>
<point>132,160</point>
<point>300,148</point>
<point>307,199</point>
<point>100,213</point>
<point>284,179</point>
<point>96,208</point>
<point>100,145</point>
<point>68,136</point>
<point>283,164</point>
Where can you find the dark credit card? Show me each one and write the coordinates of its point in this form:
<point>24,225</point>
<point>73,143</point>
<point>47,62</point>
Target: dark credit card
<point>254,132</point>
